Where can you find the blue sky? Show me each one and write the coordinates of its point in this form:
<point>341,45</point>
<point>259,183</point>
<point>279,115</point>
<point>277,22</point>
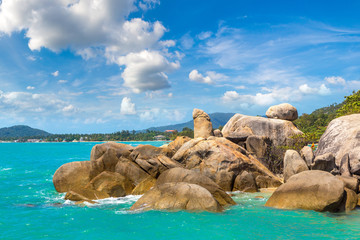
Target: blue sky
<point>90,66</point>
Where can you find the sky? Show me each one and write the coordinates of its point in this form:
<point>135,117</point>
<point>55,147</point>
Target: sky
<point>101,66</point>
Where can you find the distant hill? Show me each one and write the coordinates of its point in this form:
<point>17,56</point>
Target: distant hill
<point>217,119</point>
<point>21,131</point>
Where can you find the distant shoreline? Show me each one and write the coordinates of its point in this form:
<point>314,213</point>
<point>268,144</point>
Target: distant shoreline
<point>91,141</point>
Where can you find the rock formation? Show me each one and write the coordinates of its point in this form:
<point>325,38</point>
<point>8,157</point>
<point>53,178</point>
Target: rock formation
<point>202,124</point>
<point>293,164</point>
<point>283,111</point>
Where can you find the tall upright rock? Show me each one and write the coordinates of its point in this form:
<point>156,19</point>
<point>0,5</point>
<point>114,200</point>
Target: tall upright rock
<point>202,124</point>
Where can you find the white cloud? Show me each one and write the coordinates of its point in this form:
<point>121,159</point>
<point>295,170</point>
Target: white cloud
<point>148,4</point>
<point>307,90</point>
<point>187,41</point>
<point>62,81</point>
<point>127,107</point>
<point>146,71</point>
<point>55,74</point>
<point>335,80</point>
<point>149,115</point>
<point>211,77</point>
<point>30,88</point>
<point>204,35</point>
<point>170,95</point>
<point>324,90</point>
<point>31,58</point>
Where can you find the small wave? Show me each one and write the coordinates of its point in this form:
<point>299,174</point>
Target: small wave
<point>122,200</point>
<point>4,169</point>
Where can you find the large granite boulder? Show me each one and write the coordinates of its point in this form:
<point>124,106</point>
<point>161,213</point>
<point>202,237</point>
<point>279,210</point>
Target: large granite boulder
<point>342,136</point>
<point>177,143</point>
<point>156,165</point>
<point>311,190</point>
<point>148,151</point>
<point>324,162</point>
<point>202,124</point>
<point>245,182</point>
<point>114,184</point>
<point>104,157</point>
<point>178,196</point>
<point>256,146</point>
<point>293,164</point>
<point>219,159</point>
<point>144,186</point>
<point>131,171</point>
<point>189,176</point>
<point>307,154</point>
<point>283,111</point>
<point>73,175</point>
<point>280,132</point>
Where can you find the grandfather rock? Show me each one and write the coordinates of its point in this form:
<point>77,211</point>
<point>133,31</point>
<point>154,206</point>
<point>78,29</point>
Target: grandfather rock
<point>283,111</point>
<point>178,196</point>
<point>307,154</point>
<point>73,175</point>
<point>190,176</point>
<point>325,162</point>
<point>310,190</point>
<point>342,136</point>
<point>293,164</point>
<point>202,124</point>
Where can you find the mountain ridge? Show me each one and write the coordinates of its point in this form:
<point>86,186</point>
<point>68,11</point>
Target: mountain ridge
<point>22,131</point>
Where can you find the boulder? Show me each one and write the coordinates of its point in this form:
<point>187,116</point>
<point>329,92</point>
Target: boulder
<point>202,124</point>
<point>146,152</point>
<point>350,182</point>
<point>325,162</point>
<point>283,111</point>
<point>105,156</point>
<point>112,183</point>
<point>293,164</point>
<point>310,190</point>
<point>245,182</point>
<point>156,165</point>
<point>240,136</point>
<point>219,159</point>
<point>345,166</point>
<point>307,154</point>
<point>144,186</point>
<point>351,200</point>
<point>177,143</point>
<point>256,146</point>
<point>73,175</point>
<point>190,176</point>
<point>178,196</point>
<point>342,136</point>
<point>267,182</point>
<point>279,132</point>
<point>217,133</point>
<point>85,194</point>
<point>131,171</point>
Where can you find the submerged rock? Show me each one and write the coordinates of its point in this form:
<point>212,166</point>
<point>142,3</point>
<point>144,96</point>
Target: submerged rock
<point>178,196</point>
<point>310,190</point>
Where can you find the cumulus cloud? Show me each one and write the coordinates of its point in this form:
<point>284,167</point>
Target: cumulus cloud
<point>27,103</point>
<point>55,74</point>
<point>209,79</point>
<point>146,70</point>
<point>30,88</point>
<point>92,28</point>
<point>324,90</point>
<point>127,107</point>
<point>335,80</point>
<point>306,89</point>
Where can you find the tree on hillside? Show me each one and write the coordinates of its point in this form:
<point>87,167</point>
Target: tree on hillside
<point>350,105</point>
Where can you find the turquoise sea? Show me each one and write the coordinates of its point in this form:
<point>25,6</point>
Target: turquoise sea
<point>30,208</point>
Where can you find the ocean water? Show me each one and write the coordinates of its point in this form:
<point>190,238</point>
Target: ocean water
<point>30,208</point>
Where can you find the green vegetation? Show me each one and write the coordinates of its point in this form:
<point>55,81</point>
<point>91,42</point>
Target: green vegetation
<point>21,131</point>
<point>188,132</point>
<point>350,105</point>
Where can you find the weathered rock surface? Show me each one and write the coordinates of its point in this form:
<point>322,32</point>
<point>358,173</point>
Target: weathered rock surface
<point>131,170</point>
<point>148,151</point>
<point>311,190</point>
<point>307,154</point>
<point>280,132</point>
<point>351,200</point>
<point>177,143</point>
<point>245,182</point>
<point>293,164</point>
<point>345,166</point>
<point>350,182</point>
<point>73,175</point>
<point>256,146</point>
<point>325,162</point>
<point>217,133</point>
<point>202,124</point>
<point>189,176</point>
<point>114,184</point>
<point>342,136</point>
<point>219,159</point>
<point>144,186</point>
<point>178,196</point>
<point>283,111</point>
<point>156,165</point>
